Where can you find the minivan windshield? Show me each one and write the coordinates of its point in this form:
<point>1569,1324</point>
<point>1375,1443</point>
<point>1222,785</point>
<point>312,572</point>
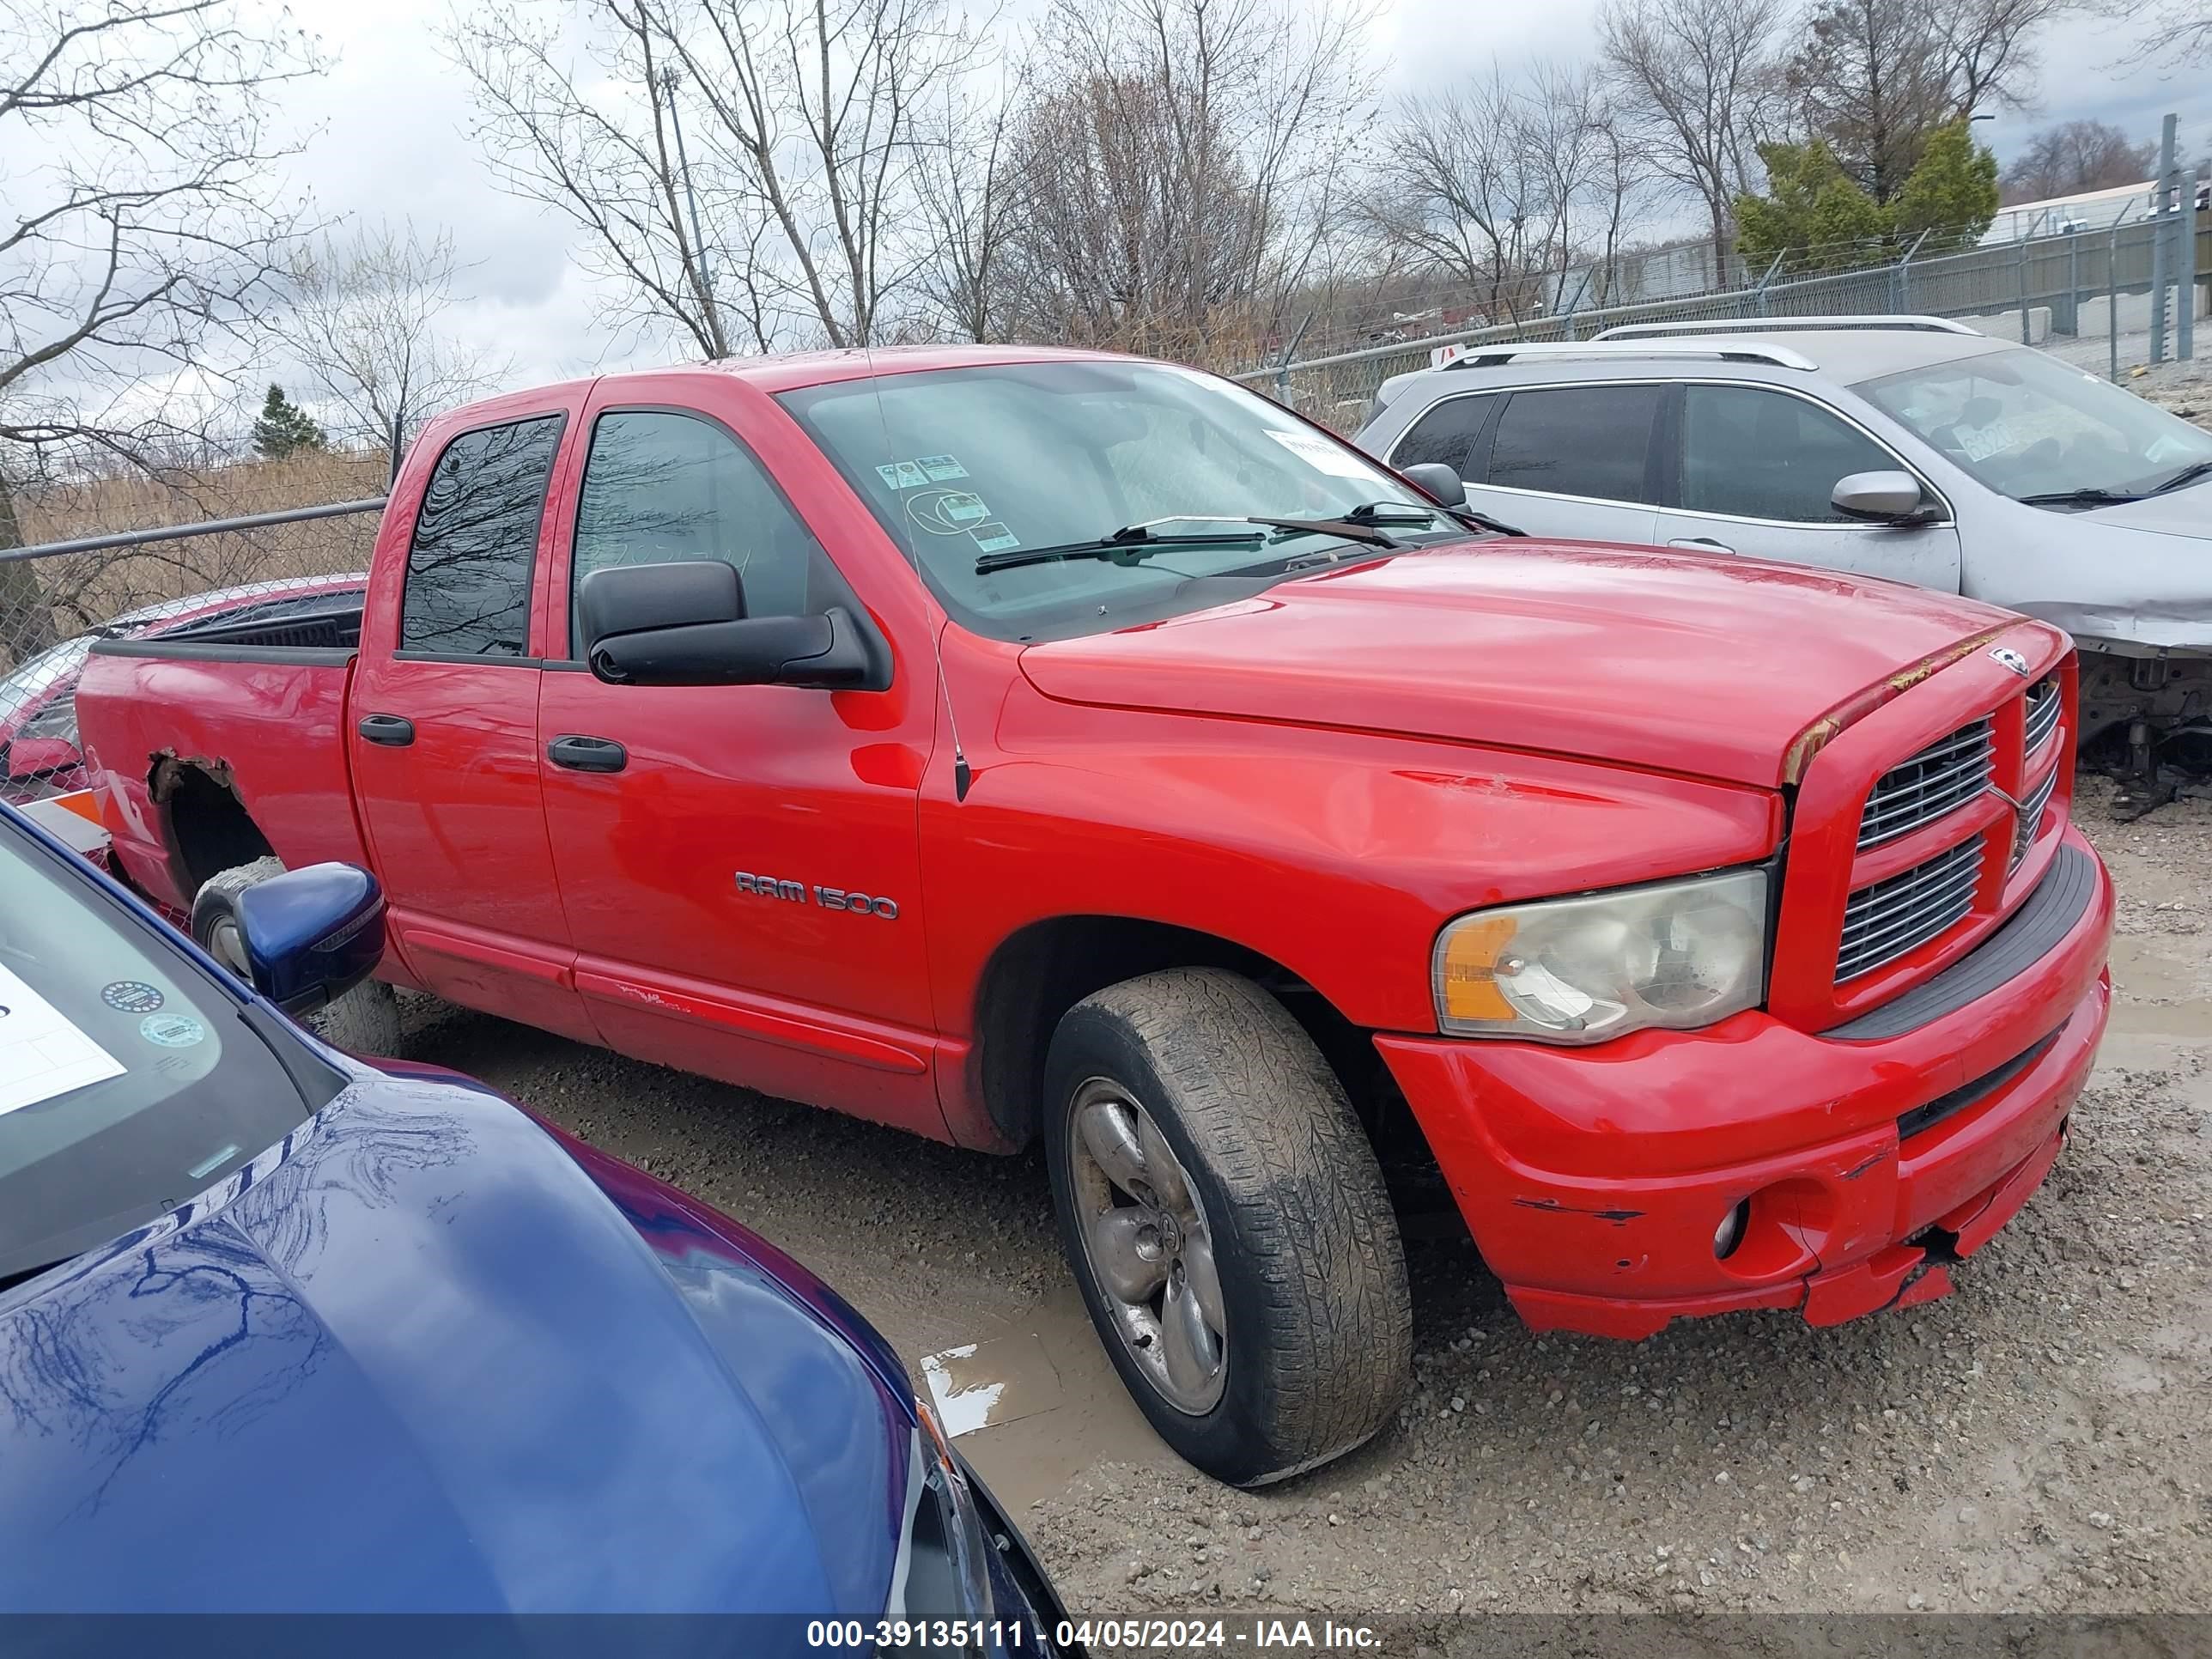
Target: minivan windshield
<point>2028,425</point>
<point>129,1082</point>
<point>961,464</point>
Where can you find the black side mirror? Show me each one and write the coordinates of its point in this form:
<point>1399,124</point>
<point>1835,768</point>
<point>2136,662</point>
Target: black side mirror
<point>685,624</point>
<point>1441,482</point>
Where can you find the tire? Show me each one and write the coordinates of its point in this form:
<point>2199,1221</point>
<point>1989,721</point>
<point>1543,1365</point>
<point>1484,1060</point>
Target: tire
<point>364,1021</point>
<point>1315,1353</point>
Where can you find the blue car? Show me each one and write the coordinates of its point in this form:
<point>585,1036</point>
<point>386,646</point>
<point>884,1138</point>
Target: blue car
<point>284,1332</point>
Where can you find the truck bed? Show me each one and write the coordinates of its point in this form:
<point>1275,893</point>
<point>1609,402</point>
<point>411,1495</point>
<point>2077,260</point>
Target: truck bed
<point>255,708</point>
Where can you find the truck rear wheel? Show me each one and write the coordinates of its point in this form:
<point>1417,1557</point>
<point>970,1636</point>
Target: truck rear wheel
<point>364,1021</point>
<point>1226,1223</point>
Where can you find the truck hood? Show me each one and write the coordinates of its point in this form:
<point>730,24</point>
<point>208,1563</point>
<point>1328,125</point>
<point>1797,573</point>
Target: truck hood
<point>413,1359</point>
<point>1685,663</point>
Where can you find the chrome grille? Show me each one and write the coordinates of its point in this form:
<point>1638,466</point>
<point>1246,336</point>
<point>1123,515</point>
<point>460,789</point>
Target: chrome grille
<point>1945,774</point>
<point>2042,712</point>
<point>1904,911</point>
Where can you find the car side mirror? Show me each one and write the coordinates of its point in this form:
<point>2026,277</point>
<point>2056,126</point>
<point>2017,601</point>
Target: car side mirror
<point>685,624</point>
<point>1882,497</point>
<point>309,935</point>
<point>33,758</point>
<point>1441,484</point>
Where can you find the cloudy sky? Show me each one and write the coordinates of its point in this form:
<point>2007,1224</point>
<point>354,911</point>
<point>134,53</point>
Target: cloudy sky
<point>393,142</point>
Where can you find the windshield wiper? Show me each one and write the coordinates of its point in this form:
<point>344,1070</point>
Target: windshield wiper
<point>2188,475</point>
<point>2090,497</point>
<point>1127,545</point>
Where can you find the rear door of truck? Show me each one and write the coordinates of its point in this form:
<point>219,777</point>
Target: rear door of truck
<point>443,715</point>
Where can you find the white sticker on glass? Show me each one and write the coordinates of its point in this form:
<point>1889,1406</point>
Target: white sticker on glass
<point>1323,452</point>
<point>42,1053</point>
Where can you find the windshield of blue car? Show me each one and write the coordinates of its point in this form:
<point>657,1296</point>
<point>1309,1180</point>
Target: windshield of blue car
<point>962,464</point>
<point>2025,423</point>
<point>128,1081</point>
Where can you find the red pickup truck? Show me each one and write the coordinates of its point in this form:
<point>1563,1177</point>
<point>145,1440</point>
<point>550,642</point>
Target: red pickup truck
<point>1006,743</point>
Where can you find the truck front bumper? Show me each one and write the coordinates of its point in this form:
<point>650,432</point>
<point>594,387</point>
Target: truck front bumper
<point>1601,1184</point>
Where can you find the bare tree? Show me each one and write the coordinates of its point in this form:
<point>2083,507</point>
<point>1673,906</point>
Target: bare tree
<point>1695,84</point>
<point>2074,156</point>
<point>2180,32</point>
<point>1176,181</point>
<point>138,229</point>
<point>1878,77</point>
<point>1988,48</point>
<point>582,121</point>
<point>742,169</point>
<point>970,200</point>
<point>364,321</point>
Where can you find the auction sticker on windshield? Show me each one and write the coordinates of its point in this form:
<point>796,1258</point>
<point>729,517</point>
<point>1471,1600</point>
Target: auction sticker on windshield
<point>1327,456</point>
<point>42,1053</point>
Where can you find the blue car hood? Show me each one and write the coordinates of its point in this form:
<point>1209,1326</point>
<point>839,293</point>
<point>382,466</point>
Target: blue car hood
<point>416,1358</point>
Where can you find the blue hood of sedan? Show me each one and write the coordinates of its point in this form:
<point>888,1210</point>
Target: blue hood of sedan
<point>419,1356</point>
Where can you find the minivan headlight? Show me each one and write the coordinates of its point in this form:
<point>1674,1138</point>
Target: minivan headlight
<point>1675,955</point>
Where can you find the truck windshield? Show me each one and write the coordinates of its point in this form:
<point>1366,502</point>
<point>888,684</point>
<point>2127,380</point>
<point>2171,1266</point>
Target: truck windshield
<point>959,464</point>
<point>129,1082</point>
<point>2026,424</point>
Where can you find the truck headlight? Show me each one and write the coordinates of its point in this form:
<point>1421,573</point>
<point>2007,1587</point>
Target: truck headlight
<point>1675,955</point>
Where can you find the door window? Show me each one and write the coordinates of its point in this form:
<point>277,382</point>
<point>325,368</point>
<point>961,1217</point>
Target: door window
<point>663,488</point>
<point>1752,453</point>
<point>475,539</point>
<point>1593,441</point>
<point>1445,434</point>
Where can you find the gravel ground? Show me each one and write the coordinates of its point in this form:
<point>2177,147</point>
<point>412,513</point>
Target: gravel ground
<point>2033,1443</point>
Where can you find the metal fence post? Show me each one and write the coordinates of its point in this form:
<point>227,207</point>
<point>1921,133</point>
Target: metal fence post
<point>1904,284</point>
<point>2185,261</point>
<point>2024,340</point>
<point>2072,283</point>
<point>1760,295</point>
<point>2112,291</point>
<point>2161,266</point>
<point>1290,354</point>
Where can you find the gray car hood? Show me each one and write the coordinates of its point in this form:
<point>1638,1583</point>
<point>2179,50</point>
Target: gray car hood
<point>2182,512</point>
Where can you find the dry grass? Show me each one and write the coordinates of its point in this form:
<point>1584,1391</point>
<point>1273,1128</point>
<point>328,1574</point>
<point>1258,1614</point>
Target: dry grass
<point>78,591</point>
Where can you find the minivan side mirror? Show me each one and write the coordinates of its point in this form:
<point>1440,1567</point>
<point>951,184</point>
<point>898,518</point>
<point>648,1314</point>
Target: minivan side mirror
<point>306,938</point>
<point>1434,479</point>
<point>685,624</point>
<point>1883,497</point>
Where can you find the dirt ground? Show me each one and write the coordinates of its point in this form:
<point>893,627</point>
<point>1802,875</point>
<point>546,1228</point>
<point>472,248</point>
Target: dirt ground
<point>2037,1442</point>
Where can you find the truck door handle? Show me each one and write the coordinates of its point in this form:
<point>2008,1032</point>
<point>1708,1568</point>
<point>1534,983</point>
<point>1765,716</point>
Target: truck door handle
<point>587,754</point>
<point>1702,544</point>
<point>390,730</point>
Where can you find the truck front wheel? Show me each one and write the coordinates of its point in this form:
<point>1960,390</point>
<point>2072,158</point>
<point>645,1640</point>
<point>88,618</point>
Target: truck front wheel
<point>1226,1223</point>
<point>364,1021</point>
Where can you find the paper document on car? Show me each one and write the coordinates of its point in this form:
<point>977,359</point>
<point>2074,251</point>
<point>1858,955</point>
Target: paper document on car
<point>42,1053</point>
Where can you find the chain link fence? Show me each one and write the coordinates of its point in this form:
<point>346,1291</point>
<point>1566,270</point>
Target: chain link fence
<point>105,578</point>
<point>2085,296</point>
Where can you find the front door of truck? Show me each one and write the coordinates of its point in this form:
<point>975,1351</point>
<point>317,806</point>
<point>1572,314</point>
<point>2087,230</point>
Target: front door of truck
<point>445,722</point>
<point>1757,466</point>
<point>740,864</point>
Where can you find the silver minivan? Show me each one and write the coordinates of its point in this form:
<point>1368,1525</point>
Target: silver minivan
<point>1907,447</point>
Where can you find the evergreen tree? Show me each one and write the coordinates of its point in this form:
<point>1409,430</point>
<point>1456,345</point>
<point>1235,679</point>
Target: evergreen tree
<point>1825,220</point>
<point>284,427</point>
<point>1812,208</point>
<point>1951,193</point>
